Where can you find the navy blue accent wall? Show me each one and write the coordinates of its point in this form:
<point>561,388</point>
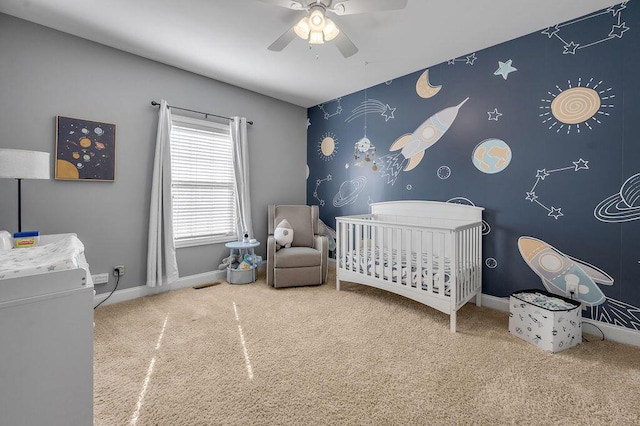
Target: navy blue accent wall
<point>547,143</point>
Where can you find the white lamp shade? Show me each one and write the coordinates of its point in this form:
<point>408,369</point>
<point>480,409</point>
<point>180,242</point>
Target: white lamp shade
<point>22,164</point>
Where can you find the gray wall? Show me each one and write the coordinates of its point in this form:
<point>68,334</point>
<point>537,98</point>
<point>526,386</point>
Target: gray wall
<point>45,73</point>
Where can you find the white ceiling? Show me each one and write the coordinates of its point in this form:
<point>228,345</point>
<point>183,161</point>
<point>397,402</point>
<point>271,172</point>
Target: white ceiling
<point>227,40</point>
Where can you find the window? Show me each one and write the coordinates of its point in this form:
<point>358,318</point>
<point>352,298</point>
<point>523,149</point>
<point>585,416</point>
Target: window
<point>203,182</point>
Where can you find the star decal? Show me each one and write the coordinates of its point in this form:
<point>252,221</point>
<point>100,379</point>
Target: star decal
<point>581,164</point>
<point>471,58</point>
<point>618,30</point>
<point>616,9</point>
<point>504,68</point>
<point>494,115</point>
<point>308,122</point>
<point>541,174</point>
<point>555,212</point>
<point>570,48</point>
<point>451,62</point>
<point>531,196</point>
<point>551,31</point>
<point>388,112</point>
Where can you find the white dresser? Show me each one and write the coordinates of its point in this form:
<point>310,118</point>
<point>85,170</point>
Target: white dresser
<point>46,348</point>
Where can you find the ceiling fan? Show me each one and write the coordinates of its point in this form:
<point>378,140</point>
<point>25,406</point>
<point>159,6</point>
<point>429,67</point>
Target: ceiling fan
<point>317,28</point>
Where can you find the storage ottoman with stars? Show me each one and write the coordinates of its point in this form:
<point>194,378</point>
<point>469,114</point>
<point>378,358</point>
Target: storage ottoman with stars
<point>551,322</point>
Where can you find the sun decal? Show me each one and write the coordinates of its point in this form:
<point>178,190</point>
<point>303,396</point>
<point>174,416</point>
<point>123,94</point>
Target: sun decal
<point>576,105</point>
<point>328,146</point>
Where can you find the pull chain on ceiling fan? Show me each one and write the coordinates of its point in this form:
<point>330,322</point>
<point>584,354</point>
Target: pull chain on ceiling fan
<point>317,28</point>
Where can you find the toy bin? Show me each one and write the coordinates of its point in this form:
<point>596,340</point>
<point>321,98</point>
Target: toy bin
<point>241,276</point>
<point>551,322</point>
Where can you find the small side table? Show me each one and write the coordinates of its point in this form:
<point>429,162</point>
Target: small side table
<point>242,276</point>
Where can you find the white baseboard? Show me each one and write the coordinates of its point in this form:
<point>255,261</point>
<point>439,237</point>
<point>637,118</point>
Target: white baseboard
<point>596,328</point>
<point>141,291</point>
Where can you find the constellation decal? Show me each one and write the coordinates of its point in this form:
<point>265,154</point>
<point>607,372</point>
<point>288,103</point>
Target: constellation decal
<point>577,105</point>
<point>315,191</point>
<point>541,175</point>
<point>328,146</point>
<point>623,206</point>
<point>371,106</point>
<point>505,68</point>
<point>349,191</point>
<point>494,115</point>
<point>337,111</point>
<point>562,32</point>
<point>468,60</point>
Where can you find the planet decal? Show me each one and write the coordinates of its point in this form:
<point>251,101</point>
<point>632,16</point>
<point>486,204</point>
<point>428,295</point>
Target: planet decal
<point>623,206</point>
<point>328,146</point>
<point>424,89</point>
<point>443,172</point>
<point>575,105</point>
<point>491,156</point>
<point>349,191</point>
<point>85,142</point>
<point>580,104</point>
<point>486,228</point>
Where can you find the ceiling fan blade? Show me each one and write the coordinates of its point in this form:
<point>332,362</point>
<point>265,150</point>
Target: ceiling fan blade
<point>289,4</point>
<point>345,45</point>
<point>352,7</point>
<point>283,41</point>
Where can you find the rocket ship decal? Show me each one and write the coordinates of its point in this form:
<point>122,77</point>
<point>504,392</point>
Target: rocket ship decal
<point>413,145</point>
<point>557,270</point>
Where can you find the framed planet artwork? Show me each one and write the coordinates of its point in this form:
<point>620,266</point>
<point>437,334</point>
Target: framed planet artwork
<point>85,150</point>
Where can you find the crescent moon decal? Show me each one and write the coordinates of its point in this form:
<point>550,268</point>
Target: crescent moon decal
<point>424,89</point>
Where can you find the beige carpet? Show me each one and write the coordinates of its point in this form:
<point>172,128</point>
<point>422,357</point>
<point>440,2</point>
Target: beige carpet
<point>360,356</point>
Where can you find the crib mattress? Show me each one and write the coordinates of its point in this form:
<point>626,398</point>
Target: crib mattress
<point>371,262</point>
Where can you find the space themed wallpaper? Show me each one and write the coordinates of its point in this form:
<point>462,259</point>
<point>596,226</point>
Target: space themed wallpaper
<point>542,131</point>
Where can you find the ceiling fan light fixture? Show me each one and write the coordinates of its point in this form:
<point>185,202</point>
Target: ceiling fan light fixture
<point>316,37</point>
<point>302,28</point>
<point>330,30</point>
<point>316,19</point>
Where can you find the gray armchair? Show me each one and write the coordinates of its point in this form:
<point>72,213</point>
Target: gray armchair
<point>305,262</point>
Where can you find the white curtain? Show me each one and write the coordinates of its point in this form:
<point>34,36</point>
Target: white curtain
<point>162,266</point>
<point>241,166</point>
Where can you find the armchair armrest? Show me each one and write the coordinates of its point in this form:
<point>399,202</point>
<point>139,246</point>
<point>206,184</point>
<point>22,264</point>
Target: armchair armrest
<point>271,254</point>
<point>321,243</point>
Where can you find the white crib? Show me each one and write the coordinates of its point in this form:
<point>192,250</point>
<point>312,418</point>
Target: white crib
<point>428,251</point>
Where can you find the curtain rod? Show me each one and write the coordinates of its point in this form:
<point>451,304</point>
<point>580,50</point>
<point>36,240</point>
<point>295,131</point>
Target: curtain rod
<point>206,114</point>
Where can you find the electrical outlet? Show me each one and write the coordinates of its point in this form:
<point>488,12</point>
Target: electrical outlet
<point>118,270</point>
<point>572,289</point>
<point>100,278</point>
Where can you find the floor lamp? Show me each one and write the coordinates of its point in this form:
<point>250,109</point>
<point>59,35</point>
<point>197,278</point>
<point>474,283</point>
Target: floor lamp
<point>20,164</point>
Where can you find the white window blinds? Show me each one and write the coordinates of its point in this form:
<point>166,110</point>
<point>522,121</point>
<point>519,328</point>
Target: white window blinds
<point>204,207</point>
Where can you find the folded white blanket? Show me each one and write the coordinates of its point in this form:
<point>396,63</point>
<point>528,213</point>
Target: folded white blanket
<point>60,255</point>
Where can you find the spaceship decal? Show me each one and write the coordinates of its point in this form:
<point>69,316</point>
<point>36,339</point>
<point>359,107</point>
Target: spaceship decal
<point>558,270</point>
<point>413,145</point>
